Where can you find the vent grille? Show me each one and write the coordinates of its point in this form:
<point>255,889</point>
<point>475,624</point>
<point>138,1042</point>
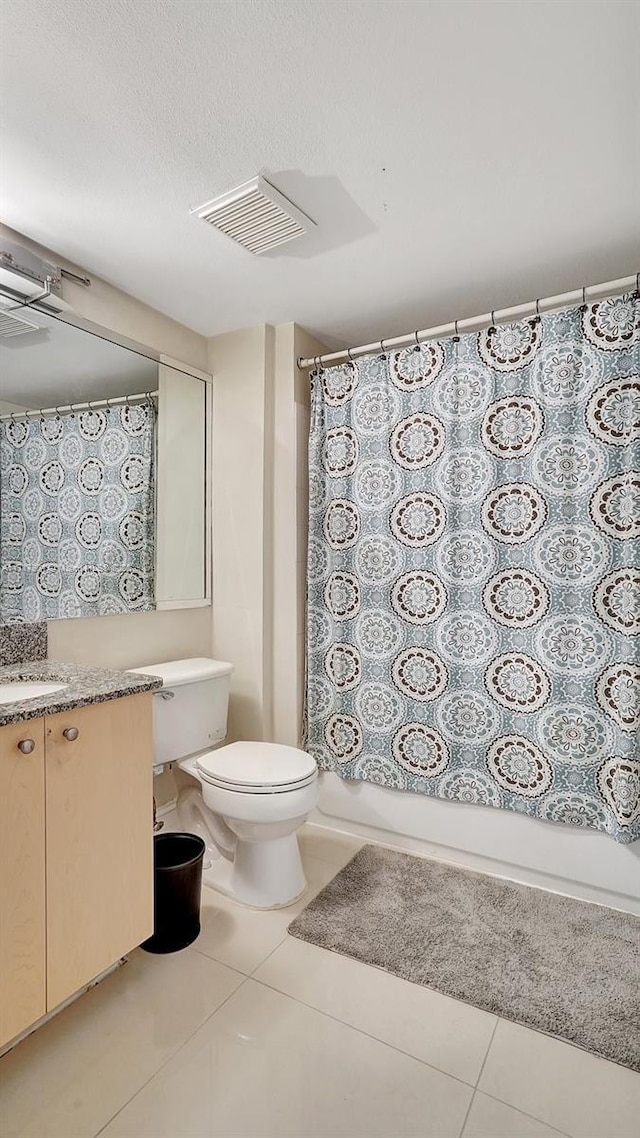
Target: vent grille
<point>256,216</point>
<point>11,325</point>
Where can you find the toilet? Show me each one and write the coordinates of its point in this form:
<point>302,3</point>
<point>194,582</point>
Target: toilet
<point>252,797</point>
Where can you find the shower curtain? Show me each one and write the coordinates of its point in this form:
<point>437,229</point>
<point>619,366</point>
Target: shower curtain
<point>473,617</point>
<point>77,514</point>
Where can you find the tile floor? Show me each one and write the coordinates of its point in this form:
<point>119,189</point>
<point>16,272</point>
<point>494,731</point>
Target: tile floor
<point>252,1034</point>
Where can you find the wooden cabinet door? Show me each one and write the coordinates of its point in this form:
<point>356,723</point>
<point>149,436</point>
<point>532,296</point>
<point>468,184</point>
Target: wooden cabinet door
<point>22,877</point>
<point>99,801</point>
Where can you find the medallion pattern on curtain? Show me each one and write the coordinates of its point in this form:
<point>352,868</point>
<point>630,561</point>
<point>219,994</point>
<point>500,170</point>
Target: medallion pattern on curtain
<point>77,514</point>
<point>473,569</point>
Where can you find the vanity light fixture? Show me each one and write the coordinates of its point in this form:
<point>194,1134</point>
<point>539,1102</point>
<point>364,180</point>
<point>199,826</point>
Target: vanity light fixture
<point>256,216</point>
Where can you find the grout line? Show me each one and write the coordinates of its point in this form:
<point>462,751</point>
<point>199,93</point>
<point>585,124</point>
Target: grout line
<point>170,1058</point>
<point>360,1031</point>
<point>222,963</point>
<point>244,977</point>
<point>310,896</point>
<point>486,1054</point>
<point>268,957</point>
<point>479,1090</point>
<point>466,1117</point>
<point>533,1117</point>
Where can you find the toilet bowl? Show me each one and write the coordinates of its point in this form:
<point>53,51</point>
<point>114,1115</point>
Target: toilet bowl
<point>248,799</point>
<point>253,797</point>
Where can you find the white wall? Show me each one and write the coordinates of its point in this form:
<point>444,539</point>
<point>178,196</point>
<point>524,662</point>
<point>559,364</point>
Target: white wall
<point>242,365</point>
<point>184,410</point>
<point>10,408</point>
<point>261,422</point>
<point>138,638</point>
<point>290,522</point>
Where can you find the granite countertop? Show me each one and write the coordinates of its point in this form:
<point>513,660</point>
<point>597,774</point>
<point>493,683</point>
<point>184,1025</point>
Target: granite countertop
<point>84,686</point>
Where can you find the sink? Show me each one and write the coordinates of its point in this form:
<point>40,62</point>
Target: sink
<point>26,689</point>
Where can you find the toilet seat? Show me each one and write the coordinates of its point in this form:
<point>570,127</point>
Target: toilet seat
<point>256,788</point>
<point>257,768</point>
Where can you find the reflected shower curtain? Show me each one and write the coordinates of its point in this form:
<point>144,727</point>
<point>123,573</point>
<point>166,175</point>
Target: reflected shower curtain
<point>474,568</point>
<point>77,514</point>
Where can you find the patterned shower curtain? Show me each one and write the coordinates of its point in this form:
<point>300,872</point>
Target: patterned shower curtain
<point>77,514</point>
<point>473,621</point>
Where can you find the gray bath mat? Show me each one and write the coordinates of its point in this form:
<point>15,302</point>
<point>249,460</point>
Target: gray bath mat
<point>564,967</point>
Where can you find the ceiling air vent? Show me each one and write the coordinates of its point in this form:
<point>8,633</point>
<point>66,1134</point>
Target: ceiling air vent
<point>11,325</point>
<point>256,215</point>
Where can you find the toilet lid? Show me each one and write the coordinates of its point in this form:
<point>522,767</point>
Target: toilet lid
<point>257,766</point>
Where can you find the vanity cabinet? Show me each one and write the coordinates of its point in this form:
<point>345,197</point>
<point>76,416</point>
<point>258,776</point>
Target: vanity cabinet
<point>99,849</point>
<point>22,877</point>
<point>76,867</point>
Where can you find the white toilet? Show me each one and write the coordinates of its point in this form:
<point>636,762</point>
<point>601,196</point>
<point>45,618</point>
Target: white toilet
<point>253,796</point>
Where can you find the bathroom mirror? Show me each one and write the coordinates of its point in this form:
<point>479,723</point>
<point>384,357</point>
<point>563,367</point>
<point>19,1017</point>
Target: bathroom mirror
<point>104,474</point>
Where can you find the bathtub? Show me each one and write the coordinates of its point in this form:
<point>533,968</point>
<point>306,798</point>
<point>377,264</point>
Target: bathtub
<point>581,863</point>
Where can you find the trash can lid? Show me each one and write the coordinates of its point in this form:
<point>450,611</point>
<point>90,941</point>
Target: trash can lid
<point>177,850</point>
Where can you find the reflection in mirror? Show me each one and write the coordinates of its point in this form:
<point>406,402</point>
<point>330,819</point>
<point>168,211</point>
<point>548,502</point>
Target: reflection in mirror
<point>77,468</point>
<point>77,513</point>
<point>86,525</point>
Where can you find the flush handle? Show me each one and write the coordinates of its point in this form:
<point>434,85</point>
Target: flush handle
<point>71,733</point>
<point>27,746</point>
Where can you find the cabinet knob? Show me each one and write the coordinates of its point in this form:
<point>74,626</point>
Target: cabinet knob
<point>71,733</point>
<point>27,746</point>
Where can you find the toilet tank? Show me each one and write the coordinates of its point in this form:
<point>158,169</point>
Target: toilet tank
<point>190,710</point>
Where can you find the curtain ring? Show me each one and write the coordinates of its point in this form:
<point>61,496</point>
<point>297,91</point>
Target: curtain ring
<point>584,305</point>
<point>456,334</point>
<point>417,347</point>
<point>638,283</point>
<point>493,321</point>
<point>349,356</point>
<point>382,347</point>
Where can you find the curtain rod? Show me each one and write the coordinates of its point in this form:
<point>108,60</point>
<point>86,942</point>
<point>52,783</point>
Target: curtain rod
<point>92,405</point>
<point>477,323</point>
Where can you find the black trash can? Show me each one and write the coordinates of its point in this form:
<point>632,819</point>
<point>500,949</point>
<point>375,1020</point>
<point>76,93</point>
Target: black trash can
<point>177,883</point>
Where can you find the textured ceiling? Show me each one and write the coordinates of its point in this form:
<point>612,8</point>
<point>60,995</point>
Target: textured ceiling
<point>456,156</point>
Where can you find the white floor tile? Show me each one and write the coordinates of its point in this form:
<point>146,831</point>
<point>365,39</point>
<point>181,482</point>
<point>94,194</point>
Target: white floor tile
<point>265,1066</point>
<point>491,1119</point>
<point>443,1032</point>
<point>242,938</point>
<point>567,1088</point>
<point>328,845</point>
<point>68,1078</point>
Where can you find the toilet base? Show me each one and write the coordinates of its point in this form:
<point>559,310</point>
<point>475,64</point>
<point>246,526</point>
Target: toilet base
<point>262,875</point>
<point>252,853</point>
